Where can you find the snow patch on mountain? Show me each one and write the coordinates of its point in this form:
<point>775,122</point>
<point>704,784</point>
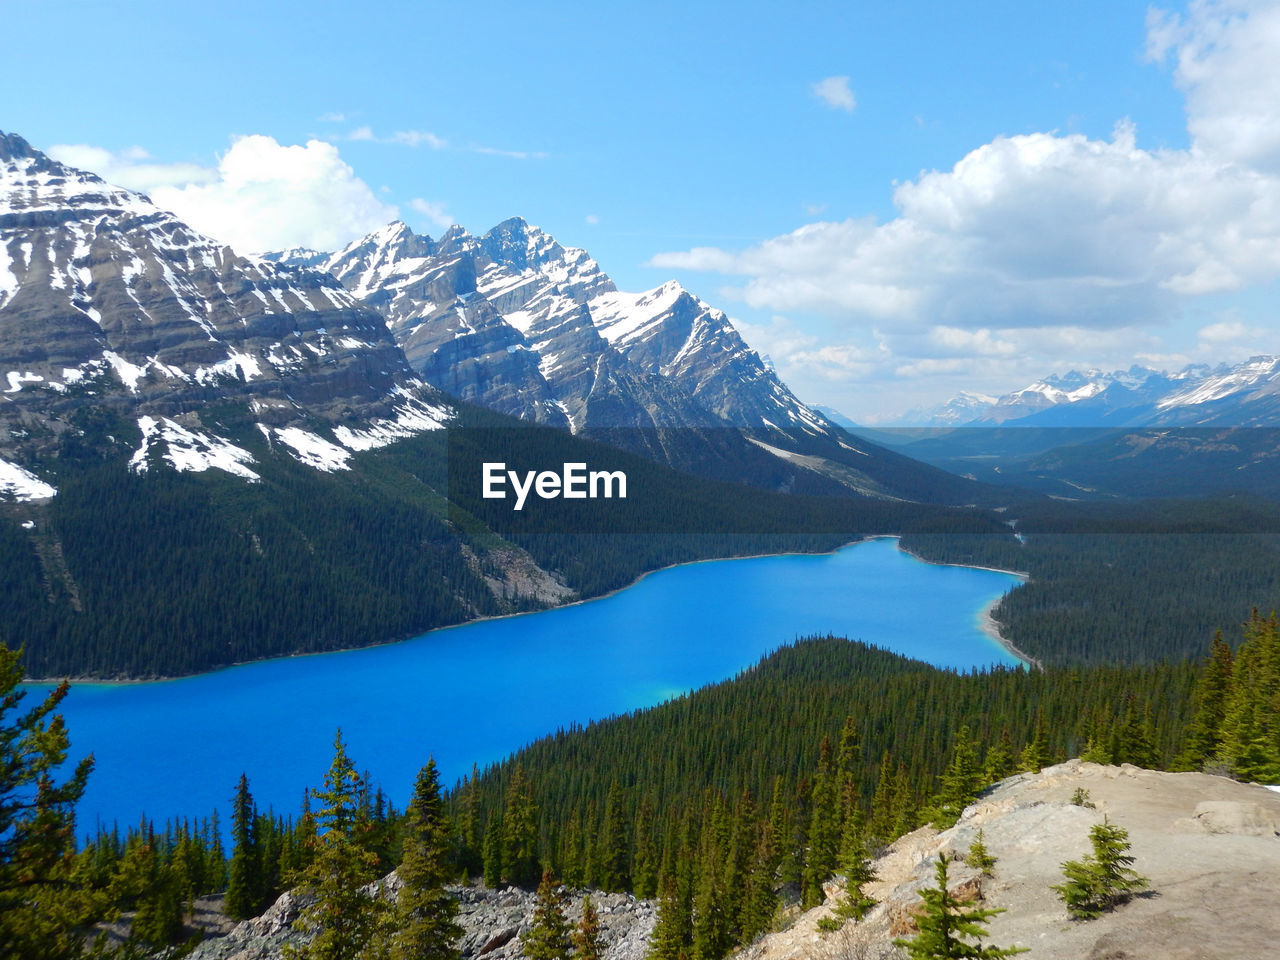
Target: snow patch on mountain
<point>189,450</point>
<point>22,485</point>
<point>307,447</point>
<point>412,416</point>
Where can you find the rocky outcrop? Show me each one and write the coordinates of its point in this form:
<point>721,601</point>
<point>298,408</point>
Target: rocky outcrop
<point>493,923</point>
<point>1209,846</point>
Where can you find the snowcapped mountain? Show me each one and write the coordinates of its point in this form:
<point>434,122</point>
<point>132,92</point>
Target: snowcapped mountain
<point>515,321</point>
<point>103,295</point>
<point>1247,394</point>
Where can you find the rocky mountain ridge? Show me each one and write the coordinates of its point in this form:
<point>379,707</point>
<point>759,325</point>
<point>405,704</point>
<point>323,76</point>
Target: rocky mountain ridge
<point>108,302</point>
<point>1245,394</point>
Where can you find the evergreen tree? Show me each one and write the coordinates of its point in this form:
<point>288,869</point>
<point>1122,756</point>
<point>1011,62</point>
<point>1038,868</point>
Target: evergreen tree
<point>824,830</point>
<point>548,936</point>
<point>999,760</point>
<point>760,899</point>
<point>425,914</point>
<point>520,832</point>
<point>960,783</point>
<point>855,903</point>
<point>979,858</point>
<point>586,938</point>
<point>1101,882</point>
<point>245,887</point>
<point>493,853</point>
<point>1249,744</point>
<point>612,867</point>
<point>1035,753</point>
<point>42,908</point>
<point>344,917</point>
<point>947,925</point>
<point>673,934</point>
<point>1209,699</point>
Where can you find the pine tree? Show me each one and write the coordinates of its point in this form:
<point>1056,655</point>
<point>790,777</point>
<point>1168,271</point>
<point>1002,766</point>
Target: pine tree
<point>1209,698</point>
<point>1035,753</point>
<point>979,858</point>
<point>959,784</point>
<point>520,832</point>
<point>586,939</point>
<point>1103,881</point>
<point>1250,732</point>
<point>245,889</point>
<point>425,914</point>
<point>946,926</point>
<point>855,903</point>
<point>613,869</point>
<point>999,760</point>
<point>673,934</point>
<point>824,833</point>
<point>493,853</point>
<point>41,910</point>
<point>548,936</point>
<point>760,899</point>
<point>345,916</point>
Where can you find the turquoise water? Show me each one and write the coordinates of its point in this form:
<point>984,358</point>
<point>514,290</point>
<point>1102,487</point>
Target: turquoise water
<point>475,692</point>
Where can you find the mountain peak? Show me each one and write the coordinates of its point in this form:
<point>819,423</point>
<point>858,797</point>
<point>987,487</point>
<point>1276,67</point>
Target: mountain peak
<point>14,147</point>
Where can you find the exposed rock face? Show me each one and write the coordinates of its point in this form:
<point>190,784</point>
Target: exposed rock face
<point>1209,846</point>
<point>493,923</point>
<point>505,321</point>
<point>108,301</point>
<point>519,323</point>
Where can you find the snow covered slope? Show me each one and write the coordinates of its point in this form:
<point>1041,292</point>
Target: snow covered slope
<point>106,298</point>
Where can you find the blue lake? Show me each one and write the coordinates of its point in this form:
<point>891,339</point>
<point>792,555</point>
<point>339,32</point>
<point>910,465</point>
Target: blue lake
<point>476,692</point>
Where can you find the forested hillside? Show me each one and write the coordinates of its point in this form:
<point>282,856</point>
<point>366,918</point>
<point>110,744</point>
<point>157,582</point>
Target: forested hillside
<point>724,803</point>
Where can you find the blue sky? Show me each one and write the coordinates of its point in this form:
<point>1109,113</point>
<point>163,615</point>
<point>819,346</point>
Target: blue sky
<point>895,201</point>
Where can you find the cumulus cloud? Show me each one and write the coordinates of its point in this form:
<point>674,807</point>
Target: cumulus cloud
<point>267,196</point>
<point>1050,245</point>
<point>434,212</point>
<point>836,93</point>
<point>1024,231</point>
<point>1225,52</point>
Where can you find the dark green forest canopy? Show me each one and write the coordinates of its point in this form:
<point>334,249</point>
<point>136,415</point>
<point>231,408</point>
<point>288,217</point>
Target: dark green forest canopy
<point>167,574</point>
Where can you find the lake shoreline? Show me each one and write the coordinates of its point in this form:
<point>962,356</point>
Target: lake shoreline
<point>987,623</point>
<point>102,681</point>
<point>986,619</point>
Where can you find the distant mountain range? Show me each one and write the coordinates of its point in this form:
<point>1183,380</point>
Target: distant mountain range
<point>1241,395</point>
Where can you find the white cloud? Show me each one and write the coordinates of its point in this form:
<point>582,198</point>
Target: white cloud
<point>1225,54</point>
<point>407,138</point>
<point>1228,332</point>
<point>435,212</point>
<point>512,154</point>
<point>592,219</point>
<point>131,167</point>
<point>331,117</point>
<point>414,138</point>
<point>836,93</point>
<point>1044,251</point>
<point>266,196</point>
<point>1044,229</point>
